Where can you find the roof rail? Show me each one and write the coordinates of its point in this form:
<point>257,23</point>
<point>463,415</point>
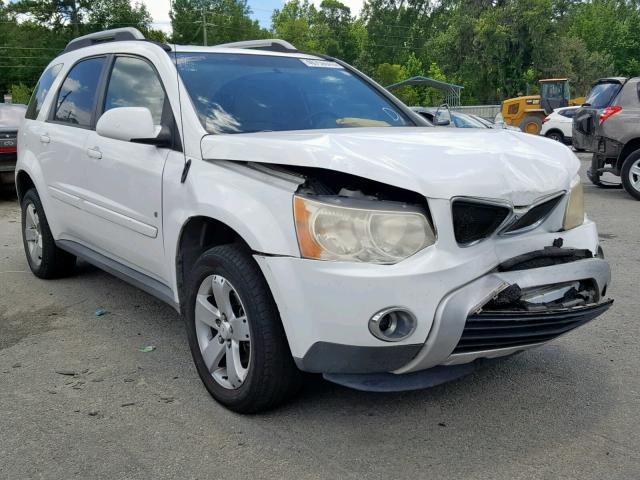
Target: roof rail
<point>271,44</point>
<point>114,35</point>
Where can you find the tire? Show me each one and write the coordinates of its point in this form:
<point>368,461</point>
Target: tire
<point>531,124</point>
<point>555,135</point>
<point>630,174</point>
<point>45,259</point>
<point>227,276</point>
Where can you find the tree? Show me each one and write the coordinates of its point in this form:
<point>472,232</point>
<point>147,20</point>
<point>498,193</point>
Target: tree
<point>330,29</point>
<point>213,22</point>
<point>294,23</point>
<point>105,14</point>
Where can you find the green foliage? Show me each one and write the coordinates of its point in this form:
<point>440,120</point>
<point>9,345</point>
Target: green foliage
<point>329,29</point>
<point>20,93</point>
<point>221,21</point>
<point>494,48</point>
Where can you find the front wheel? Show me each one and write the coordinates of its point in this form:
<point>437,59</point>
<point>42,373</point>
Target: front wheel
<point>235,334</point>
<point>45,259</point>
<point>630,174</point>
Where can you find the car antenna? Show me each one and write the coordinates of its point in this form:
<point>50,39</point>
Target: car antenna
<point>187,162</point>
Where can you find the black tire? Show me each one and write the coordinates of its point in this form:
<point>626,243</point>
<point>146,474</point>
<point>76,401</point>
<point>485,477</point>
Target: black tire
<point>534,122</point>
<point>55,262</point>
<point>632,160</point>
<point>272,377</point>
<point>555,135</point>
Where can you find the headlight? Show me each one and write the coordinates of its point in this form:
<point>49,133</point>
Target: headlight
<point>359,232</point>
<point>574,213</point>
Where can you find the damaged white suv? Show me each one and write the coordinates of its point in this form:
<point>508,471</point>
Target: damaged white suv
<point>300,217</point>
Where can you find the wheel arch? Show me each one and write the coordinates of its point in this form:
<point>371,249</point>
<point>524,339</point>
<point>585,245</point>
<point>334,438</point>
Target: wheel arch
<point>554,130</point>
<point>23,183</point>
<point>629,147</point>
<point>198,234</point>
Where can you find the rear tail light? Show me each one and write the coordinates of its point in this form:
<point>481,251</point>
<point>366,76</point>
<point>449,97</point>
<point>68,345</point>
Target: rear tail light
<point>607,112</point>
<point>8,149</point>
<point>546,119</point>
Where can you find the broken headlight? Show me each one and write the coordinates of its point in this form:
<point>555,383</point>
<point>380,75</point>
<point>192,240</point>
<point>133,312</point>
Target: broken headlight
<point>360,231</point>
<point>574,212</point>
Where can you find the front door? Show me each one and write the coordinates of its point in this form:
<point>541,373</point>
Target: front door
<point>125,178</point>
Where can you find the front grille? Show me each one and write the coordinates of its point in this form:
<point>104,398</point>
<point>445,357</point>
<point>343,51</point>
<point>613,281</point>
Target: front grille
<point>493,330</point>
<point>474,221</point>
<point>534,216</point>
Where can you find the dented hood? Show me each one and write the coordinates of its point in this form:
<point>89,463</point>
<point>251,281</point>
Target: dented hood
<point>436,162</point>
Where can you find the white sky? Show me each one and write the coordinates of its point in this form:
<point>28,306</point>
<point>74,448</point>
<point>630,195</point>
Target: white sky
<point>159,10</point>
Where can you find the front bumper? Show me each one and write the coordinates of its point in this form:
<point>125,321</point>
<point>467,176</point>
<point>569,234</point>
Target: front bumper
<point>325,306</point>
<point>7,167</point>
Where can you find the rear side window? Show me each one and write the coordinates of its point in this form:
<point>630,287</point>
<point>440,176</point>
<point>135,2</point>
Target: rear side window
<point>42,88</point>
<point>569,113</point>
<point>602,94</point>
<point>77,96</point>
<point>134,83</point>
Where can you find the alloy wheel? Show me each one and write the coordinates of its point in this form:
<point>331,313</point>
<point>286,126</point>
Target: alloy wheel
<point>33,235</point>
<point>222,330</point>
<point>634,175</point>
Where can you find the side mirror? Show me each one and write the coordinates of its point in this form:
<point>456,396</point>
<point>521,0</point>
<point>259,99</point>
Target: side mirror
<point>443,123</point>
<point>132,124</point>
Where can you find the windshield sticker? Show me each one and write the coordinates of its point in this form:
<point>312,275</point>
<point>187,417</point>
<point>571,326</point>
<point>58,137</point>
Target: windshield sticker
<point>320,63</point>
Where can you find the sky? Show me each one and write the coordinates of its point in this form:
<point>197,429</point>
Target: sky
<point>262,10</point>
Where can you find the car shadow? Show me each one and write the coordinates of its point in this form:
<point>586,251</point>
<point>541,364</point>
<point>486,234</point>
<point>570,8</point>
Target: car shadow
<point>525,407</point>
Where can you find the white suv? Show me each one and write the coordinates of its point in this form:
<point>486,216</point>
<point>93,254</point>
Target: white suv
<point>300,217</point>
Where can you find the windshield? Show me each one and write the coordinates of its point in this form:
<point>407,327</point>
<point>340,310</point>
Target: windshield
<point>11,115</point>
<point>554,90</point>
<point>602,94</point>
<point>236,93</point>
<point>461,120</point>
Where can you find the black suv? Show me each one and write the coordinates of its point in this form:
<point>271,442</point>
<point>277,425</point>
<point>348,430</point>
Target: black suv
<point>609,126</point>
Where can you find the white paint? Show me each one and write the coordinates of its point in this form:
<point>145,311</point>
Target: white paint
<point>555,121</point>
<point>129,204</point>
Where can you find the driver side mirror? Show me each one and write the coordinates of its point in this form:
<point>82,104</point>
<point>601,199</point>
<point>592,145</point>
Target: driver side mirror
<point>443,122</point>
<point>132,124</point>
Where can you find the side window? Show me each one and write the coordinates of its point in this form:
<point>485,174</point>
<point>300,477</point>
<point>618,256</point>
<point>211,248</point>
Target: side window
<point>134,83</point>
<point>42,88</point>
<point>77,96</point>
<point>570,113</point>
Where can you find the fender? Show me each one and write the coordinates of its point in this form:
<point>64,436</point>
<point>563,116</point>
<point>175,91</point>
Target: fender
<point>256,205</point>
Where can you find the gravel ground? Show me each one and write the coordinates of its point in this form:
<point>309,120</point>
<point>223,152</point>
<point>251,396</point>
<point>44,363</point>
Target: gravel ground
<point>79,399</point>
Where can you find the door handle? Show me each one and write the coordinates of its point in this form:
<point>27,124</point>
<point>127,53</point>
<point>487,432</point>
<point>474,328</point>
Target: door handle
<point>44,138</point>
<point>94,153</point>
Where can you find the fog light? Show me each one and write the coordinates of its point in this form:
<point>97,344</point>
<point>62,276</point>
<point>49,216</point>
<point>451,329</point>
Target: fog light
<point>392,324</point>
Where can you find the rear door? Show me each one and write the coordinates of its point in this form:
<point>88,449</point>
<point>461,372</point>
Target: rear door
<point>602,94</point>
<point>125,178</point>
<point>61,140</point>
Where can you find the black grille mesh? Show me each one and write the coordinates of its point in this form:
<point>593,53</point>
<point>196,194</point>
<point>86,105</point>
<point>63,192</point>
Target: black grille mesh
<point>492,330</point>
<point>473,221</point>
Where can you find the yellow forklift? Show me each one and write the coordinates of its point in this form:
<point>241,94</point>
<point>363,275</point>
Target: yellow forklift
<point>529,111</point>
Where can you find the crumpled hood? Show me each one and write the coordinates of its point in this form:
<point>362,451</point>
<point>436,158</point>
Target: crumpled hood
<point>436,162</point>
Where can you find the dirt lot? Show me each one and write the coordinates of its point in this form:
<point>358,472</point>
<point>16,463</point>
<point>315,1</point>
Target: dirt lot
<point>79,399</point>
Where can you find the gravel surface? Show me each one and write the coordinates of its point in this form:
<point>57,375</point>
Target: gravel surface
<point>78,397</point>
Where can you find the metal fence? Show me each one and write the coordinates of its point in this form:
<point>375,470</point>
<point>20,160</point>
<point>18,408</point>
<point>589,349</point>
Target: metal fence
<point>485,111</point>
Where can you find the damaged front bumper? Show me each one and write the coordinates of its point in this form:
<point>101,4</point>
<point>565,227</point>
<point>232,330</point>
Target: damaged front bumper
<point>505,312</point>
